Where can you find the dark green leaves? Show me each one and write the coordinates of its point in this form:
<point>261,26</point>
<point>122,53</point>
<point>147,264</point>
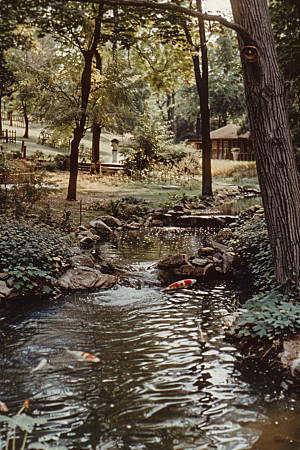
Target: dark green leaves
<point>33,257</point>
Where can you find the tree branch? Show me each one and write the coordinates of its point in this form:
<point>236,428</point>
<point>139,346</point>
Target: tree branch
<point>243,33</point>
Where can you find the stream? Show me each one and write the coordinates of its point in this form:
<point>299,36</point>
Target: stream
<point>160,385</point>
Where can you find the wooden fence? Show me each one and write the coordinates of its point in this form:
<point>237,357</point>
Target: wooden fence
<point>8,136</point>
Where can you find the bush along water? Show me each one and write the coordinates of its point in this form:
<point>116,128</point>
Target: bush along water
<point>270,314</point>
<point>32,257</point>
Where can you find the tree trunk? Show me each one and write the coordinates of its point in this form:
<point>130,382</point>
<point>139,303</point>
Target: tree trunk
<point>26,131</point>
<point>270,133</point>
<point>202,88</point>
<point>96,130</point>
<point>85,93</point>
<point>204,111</point>
<point>0,115</point>
<point>79,130</point>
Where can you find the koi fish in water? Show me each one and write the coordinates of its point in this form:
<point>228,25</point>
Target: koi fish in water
<point>40,365</point>
<point>180,284</point>
<point>86,356</point>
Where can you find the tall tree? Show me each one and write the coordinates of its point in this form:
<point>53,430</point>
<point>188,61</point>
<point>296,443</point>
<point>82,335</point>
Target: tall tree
<point>267,108</point>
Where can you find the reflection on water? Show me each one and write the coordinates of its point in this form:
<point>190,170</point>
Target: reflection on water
<point>151,244</point>
<point>237,206</point>
<point>159,385</point>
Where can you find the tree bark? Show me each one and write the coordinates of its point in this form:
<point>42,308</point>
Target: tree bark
<point>96,130</point>
<point>26,120</point>
<point>85,93</point>
<point>202,88</point>
<point>270,133</point>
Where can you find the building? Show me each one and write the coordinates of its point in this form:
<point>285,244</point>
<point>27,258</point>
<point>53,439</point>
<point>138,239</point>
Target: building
<point>224,140</point>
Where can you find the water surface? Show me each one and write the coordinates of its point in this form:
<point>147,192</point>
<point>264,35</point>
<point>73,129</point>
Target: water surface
<point>160,385</point>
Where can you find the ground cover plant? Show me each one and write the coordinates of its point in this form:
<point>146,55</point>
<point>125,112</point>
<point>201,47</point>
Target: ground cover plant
<point>273,311</point>
<point>32,257</point>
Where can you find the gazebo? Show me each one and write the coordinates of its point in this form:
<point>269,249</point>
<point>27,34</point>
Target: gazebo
<point>224,140</point>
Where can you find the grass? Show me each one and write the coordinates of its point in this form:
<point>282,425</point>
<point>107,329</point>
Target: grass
<point>32,142</point>
<point>93,190</point>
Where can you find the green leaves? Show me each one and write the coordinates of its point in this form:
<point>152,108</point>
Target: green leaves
<point>269,315</point>
<point>33,257</point>
<point>24,422</point>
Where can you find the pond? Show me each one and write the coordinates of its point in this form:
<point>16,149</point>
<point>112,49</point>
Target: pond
<point>160,384</point>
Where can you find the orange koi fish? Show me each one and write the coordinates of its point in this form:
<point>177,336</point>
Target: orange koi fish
<point>86,356</point>
<point>180,284</point>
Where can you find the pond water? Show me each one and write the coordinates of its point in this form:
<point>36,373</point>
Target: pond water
<point>160,385</point>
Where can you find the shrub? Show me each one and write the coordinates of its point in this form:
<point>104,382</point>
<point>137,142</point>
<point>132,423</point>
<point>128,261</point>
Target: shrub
<point>33,257</point>
<point>21,198</point>
<point>60,161</point>
<point>270,313</point>
<point>251,243</point>
<point>126,208</point>
<point>269,316</point>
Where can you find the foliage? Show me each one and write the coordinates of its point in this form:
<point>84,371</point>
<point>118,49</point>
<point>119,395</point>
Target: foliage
<point>60,161</point>
<point>270,315</point>
<point>251,243</point>
<point>26,424</point>
<point>20,199</point>
<point>127,208</point>
<point>33,257</point>
<point>285,23</point>
<point>147,150</point>
<point>226,89</point>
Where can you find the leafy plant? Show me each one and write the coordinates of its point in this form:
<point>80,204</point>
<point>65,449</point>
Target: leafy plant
<point>251,243</point>
<point>26,424</point>
<point>33,257</point>
<point>126,208</point>
<point>269,316</point>
<point>270,313</point>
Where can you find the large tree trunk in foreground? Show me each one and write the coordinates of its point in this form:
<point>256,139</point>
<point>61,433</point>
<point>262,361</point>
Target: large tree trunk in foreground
<point>277,172</point>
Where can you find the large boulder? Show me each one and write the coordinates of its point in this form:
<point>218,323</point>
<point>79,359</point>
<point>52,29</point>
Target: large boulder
<point>111,221</point>
<point>173,261</point>
<point>82,277</point>
<point>100,227</point>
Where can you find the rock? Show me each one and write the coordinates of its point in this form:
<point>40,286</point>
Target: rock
<point>132,226</point>
<point>199,262</point>
<point>91,234</point>
<point>224,235</point>
<point>220,247</point>
<point>83,260</point>
<point>157,223</point>
<point>173,261</point>
<point>5,291</point>
<point>82,277</point>
<point>81,228</point>
<point>291,351</point>
<point>111,221</point>
<point>205,251</point>
<point>100,227</point>
<point>228,259</point>
<point>87,242</point>
<point>178,208</point>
